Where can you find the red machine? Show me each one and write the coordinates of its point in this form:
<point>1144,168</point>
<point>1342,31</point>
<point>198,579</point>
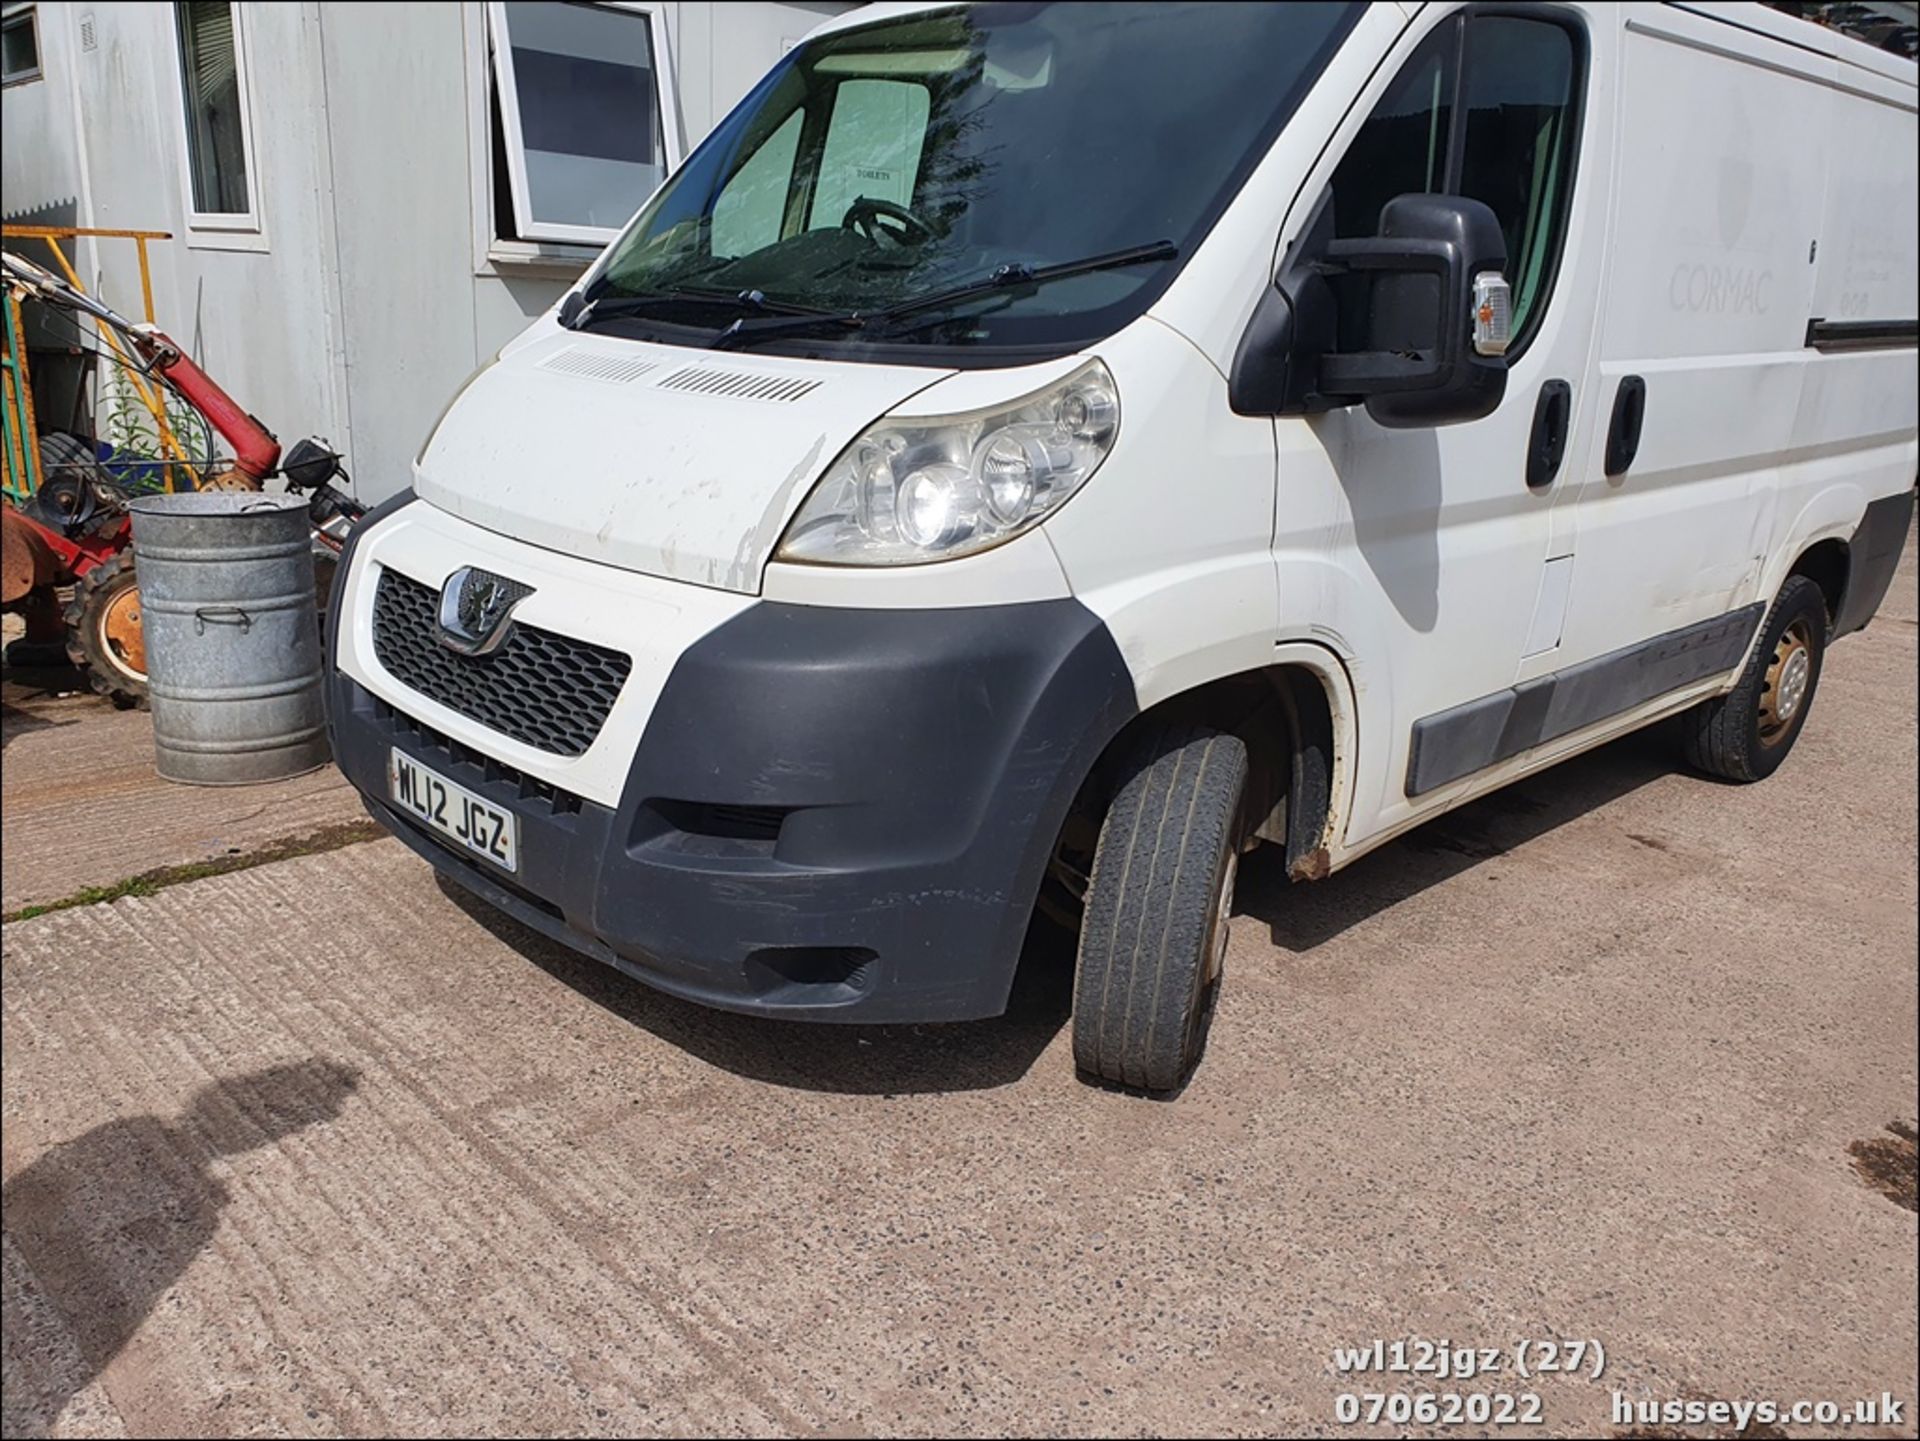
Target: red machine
<point>76,529</point>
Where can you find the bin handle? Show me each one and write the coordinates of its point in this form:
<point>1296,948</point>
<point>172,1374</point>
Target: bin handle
<point>221,615</point>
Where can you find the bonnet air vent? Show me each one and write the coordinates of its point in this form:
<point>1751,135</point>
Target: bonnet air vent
<point>598,365</point>
<point>738,384</point>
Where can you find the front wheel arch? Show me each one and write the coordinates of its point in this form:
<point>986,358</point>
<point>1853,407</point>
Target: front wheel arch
<point>1295,719</point>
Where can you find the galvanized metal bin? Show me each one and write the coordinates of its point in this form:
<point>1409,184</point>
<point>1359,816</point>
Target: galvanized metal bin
<point>233,642</point>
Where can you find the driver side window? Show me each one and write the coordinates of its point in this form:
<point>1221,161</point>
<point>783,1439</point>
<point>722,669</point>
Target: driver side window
<point>1510,145</point>
<point>872,149</point>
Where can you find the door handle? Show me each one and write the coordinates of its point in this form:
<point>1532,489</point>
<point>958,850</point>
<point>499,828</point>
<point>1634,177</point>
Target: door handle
<point>1547,446</point>
<point>1623,434</point>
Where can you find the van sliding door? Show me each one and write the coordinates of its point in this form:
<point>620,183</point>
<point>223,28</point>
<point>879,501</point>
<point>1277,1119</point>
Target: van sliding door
<point>1724,148</point>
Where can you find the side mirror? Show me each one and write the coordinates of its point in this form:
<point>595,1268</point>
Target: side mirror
<point>1413,321</point>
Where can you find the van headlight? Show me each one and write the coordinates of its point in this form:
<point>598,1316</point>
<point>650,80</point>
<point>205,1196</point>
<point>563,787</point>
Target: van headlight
<point>908,491</point>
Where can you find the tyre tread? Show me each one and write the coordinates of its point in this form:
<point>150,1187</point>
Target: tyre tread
<point>1720,736</point>
<point>87,590</point>
<point>1150,902</point>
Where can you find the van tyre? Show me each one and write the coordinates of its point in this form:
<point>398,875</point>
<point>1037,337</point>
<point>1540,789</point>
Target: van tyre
<point>1155,930</point>
<point>1746,733</point>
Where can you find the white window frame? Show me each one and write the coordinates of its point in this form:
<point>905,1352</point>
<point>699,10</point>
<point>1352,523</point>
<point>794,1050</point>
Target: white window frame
<point>223,230</point>
<point>12,14</point>
<point>500,58</point>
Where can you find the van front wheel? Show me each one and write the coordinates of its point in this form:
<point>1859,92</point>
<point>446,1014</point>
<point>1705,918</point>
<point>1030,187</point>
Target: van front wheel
<point>1154,934</point>
<point>1746,733</point>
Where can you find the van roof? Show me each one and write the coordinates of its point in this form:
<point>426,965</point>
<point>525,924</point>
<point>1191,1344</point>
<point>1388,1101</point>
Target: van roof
<point>1762,19</point>
<point>1765,20</point>
<point>885,10</point>
<point>888,9</point>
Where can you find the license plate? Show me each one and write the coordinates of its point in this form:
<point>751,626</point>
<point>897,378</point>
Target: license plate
<point>466,820</point>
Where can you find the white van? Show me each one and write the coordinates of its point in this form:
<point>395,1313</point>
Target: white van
<point>1035,453</point>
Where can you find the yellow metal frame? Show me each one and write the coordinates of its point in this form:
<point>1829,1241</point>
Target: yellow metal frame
<point>23,444</point>
<point>150,393</point>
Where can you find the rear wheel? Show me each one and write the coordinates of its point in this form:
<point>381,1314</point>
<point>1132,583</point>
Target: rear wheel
<point>1745,734</point>
<point>105,637</point>
<point>1154,936</point>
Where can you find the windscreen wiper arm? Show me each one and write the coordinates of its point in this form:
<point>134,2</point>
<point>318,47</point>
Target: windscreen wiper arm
<point>1006,277</point>
<point>1013,276</point>
<point>578,313</point>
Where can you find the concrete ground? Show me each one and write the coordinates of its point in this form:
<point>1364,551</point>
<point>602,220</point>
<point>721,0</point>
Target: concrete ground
<point>82,806</point>
<point>321,1148</point>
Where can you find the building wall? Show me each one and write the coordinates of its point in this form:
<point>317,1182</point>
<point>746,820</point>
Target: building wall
<point>257,320</point>
<point>403,217</point>
<point>375,287</point>
<point>42,150</point>
<point>42,165</point>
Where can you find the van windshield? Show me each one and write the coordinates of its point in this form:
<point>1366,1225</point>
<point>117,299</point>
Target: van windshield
<point>881,167</point>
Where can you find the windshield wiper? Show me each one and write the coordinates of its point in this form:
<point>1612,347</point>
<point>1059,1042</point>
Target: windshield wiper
<point>1012,276</point>
<point>581,314</point>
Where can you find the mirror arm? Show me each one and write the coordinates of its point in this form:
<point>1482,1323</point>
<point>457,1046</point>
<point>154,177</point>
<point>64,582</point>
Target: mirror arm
<point>1371,254</point>
<point>1425,296</point>
<point>1262,363</point>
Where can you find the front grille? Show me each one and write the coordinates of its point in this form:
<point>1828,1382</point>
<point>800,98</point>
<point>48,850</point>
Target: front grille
<point>739,823</point>
<point>548,691</point>
<point>468,766</point>
<point>711,832</point>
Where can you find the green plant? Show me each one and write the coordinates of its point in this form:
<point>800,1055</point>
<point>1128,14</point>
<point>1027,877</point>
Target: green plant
<point>130,429</point>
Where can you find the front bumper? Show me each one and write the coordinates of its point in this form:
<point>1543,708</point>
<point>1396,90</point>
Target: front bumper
<point>830,814</point>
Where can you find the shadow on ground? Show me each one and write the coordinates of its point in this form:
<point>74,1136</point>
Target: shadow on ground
<point>978,1055</point>
<point>30,692</point>
<point>17,722</point>
<point>1302,917</point>
<point>45,681</point>
<point>806,1055</point>
<point>107,1222</point>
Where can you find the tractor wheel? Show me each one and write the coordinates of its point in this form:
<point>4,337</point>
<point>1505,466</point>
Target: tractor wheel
<point>104,635</point>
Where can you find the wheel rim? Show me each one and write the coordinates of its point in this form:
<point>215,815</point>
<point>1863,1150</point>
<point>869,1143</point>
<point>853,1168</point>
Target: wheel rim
<point>229,479</point>
<point>1783,698</point>
<point>1214,957</point>
<point>1222,914</point>
<point>121,634</point>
